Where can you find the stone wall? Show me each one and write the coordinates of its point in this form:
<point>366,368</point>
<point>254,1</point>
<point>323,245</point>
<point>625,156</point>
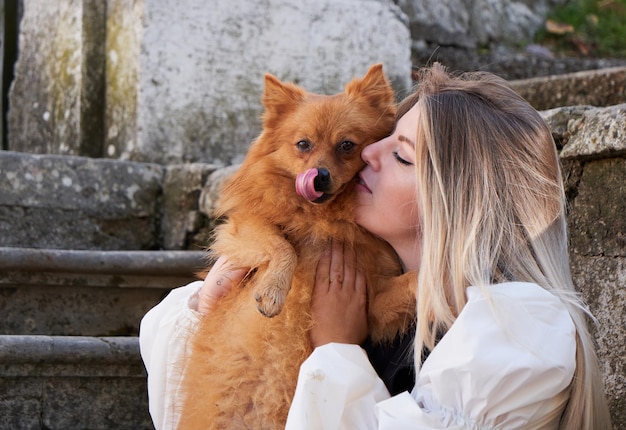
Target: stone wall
<point>594,159</point>
<point>153,82</point>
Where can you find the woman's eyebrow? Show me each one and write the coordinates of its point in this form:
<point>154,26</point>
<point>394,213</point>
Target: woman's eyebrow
<point>403,138</point>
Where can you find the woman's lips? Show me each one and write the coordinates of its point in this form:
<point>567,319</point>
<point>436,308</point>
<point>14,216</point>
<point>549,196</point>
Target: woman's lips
<point>362,185</point>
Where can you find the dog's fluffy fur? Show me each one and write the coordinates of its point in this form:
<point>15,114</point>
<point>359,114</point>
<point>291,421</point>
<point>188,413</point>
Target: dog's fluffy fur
<point>244,358</point>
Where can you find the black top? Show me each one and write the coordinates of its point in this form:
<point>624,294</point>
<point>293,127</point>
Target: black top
<point>394,362</point>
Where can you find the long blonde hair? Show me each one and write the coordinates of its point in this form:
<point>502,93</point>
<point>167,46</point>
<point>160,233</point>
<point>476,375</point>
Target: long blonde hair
<point>493,210</point>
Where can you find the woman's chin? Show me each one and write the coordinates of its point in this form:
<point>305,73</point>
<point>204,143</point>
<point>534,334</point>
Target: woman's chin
<point>361,218</point>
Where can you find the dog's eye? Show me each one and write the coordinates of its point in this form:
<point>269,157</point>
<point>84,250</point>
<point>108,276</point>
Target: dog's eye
<point>346,146</point>
<point>304,146</point>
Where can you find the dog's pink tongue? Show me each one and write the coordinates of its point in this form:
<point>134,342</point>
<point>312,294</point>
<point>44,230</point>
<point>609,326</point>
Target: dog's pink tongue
<point>305,185</point>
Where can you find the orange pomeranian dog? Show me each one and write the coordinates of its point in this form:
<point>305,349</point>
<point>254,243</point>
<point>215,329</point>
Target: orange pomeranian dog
<point>293,193</point>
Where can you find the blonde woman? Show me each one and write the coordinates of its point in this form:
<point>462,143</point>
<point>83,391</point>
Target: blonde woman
<point>468,191</point>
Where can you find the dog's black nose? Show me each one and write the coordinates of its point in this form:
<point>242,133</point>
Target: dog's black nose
<point>322,181</point>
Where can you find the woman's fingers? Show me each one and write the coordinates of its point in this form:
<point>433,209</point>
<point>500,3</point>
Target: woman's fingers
<point>339,298</point>
<point>322,274</point>
<point>349,267</point>
<point>336,274</point>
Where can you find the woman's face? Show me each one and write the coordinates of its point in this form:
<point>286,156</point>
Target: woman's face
<point>386,193</point>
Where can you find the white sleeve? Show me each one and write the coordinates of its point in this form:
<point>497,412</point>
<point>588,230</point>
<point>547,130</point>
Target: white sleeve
<point>163,335</point>
<point>337,389</point>
<point>506,362</point>
<point>504,370</point>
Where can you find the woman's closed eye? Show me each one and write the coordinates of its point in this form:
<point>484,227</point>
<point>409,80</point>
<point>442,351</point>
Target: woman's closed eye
<point>401,160</point>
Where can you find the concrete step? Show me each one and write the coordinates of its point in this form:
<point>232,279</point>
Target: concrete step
<point>87,293</point>
<point>72,382</point>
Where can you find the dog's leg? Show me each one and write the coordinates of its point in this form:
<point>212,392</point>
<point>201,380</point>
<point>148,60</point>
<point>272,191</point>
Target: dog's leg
<point>272,286</point>
<point>392,306</point>
<point>264,249</point>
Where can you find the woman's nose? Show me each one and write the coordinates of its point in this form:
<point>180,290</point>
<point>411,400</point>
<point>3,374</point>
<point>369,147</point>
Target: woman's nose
<point>371,154</point>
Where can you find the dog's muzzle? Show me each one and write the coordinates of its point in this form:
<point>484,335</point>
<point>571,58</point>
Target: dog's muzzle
<point>314,185</point>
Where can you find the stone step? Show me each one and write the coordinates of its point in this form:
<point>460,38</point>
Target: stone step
<point>63,364</point>
<point>87,293</point>
<point>63,382</point>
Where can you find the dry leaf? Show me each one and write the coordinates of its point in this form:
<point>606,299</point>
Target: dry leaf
<point>554,27</point>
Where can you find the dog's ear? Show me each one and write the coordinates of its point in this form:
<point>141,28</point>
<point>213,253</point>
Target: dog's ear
<point>279,98</point>
<point>374,87</point>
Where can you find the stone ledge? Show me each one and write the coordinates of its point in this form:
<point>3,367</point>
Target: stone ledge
<point>70,356</point>
<point>155,263</point>
<point>92,293</point>
<point>603,87</point>
<point>70,202</point>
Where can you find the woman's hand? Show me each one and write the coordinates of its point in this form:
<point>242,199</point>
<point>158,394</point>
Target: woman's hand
<point>339,303</point>
<point>218,282</point>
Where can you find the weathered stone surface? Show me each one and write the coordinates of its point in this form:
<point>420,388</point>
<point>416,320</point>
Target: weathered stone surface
<point>560,121</point>
<point>605,87</point>
<point>92,293</point>
<point>123,44</point>
<point>71,383</point>
<point>49,201</point>
<point>510,62</point>
<point>72,310</point>
<point>598,133</point>
<point>211,191</point>
<point>3,14</point>
<point>57,97</point>
<point>602,282</point>
<point>597,220</point>
<point>597,229</point>
<point>200,69</point>
<point>472,24</point>
<point>182,221</point>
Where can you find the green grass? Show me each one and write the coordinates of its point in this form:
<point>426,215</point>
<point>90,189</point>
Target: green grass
<point>599,29</point>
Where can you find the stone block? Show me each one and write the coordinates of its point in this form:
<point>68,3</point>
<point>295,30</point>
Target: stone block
<point>198,70</point>
<point>599,133</point>
<point>602,282</point>
<point>597,219</point>
<point>212,188</point>
<point>183,226</point>
<point>49,201</point>
<point>561,120</point>
<point>57,97</point>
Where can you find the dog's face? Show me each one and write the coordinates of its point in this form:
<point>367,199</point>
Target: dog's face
<point>317,140</point>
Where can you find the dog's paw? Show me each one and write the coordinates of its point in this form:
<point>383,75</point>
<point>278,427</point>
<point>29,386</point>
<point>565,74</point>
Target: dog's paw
<point>269,301</point>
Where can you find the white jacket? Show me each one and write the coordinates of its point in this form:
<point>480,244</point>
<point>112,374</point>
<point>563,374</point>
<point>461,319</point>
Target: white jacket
<point>506,369</point>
